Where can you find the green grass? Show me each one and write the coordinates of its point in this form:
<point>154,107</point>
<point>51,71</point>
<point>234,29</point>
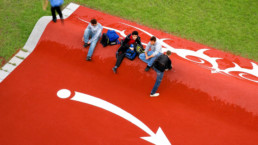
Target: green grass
<point>230,25</point>
<point>17,17</point>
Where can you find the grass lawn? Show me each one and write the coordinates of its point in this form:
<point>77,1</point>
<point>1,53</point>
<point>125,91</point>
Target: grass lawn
<point>229,25</point>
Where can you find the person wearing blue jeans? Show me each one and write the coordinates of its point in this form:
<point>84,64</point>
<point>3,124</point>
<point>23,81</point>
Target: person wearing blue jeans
<point>160,75</point>
<point>93,31</point>
<point>152,51</point>
<point>161,64</point>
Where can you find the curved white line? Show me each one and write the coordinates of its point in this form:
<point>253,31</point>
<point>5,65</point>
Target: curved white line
<point>159,138</point>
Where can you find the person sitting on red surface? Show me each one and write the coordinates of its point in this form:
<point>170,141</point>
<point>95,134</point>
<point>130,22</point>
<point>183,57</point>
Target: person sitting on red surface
<point>129,39</point>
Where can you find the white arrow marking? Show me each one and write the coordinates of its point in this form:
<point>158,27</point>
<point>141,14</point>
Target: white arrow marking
<point>158,139</point>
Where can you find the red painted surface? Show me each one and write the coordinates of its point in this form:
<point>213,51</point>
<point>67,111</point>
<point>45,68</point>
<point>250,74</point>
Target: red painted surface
<point>195,106</point>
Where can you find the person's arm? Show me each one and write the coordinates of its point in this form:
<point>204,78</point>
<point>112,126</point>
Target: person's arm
<point>148,57</point>
<point>44,6</point>
<point>169,64</point>
<point>127,38</point>
<point>139,40</point>
<point>158,49</point>
<point>151,56</point>
<point>97,34</point>
<point>147,49</point>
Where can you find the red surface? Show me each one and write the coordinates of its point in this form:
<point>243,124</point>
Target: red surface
<point>196,107</point>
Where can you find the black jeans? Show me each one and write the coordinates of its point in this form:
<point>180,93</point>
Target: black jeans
<point>120,58</point>
<point>121,54</point>
<point>58,9</point>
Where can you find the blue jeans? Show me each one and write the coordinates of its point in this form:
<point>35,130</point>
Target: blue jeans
<point>149,61</point>
<point>158,80</point>
<point>87,35</point>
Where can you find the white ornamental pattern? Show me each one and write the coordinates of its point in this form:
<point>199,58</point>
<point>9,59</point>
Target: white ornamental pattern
<point>185,53</point>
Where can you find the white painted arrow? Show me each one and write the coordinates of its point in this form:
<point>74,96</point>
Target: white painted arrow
<point>158,139</point>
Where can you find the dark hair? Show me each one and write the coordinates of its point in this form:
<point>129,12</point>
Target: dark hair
<point>93,21</point>
<point>135,33</point>
<point>153,38</point>
<point>168,52</point>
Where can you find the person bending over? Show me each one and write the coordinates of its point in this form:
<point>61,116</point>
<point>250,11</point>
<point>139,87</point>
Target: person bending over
<point>161,64</point>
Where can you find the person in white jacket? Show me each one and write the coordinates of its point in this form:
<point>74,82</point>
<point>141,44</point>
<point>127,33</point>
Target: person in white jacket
<point>94,31</point>
<point>152,51</point>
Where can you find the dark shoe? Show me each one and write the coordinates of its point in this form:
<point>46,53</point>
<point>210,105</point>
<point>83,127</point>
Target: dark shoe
<point>85,45</point>
<point>147,68</point>
<point>114,70</point>
<point>54,20</point>
<point>88,58</point>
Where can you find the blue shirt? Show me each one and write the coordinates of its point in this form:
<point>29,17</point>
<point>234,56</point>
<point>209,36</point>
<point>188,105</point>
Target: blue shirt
<point>56,3</point>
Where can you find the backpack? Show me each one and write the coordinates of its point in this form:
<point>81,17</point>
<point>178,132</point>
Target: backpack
<point>160,63</point>
<point>139,48</point>
<point>104,40</point>
<point>130,54</point>
<point>113,37</point>
<point>160,66</point>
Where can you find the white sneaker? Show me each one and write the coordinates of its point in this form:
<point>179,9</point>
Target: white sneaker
<point>154,95</point>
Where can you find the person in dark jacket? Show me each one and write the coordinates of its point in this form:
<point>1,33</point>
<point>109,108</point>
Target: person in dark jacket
<point>161,64</point>
<point>127,42</point>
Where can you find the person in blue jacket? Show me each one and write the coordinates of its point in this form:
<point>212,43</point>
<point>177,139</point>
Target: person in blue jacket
<point>55,7</point>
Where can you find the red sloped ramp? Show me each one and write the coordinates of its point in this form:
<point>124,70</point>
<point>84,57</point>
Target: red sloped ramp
<point>213,102</point>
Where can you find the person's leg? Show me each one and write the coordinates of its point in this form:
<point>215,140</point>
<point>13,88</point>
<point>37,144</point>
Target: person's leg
<point>92,47</point>
<point>53,13</point>
<point>120,55</point>
<point>87,35</point>
<point>158,81</point>
<point>143,57</point>
<point>151,60</point>
<point>122,49</point>
<point>119,60</point>
<point>58,9</point>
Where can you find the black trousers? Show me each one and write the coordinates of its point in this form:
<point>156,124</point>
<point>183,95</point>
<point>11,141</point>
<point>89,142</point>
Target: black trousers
<point>121,54</point>
<point>58,9</point>
<point>120,58</point>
